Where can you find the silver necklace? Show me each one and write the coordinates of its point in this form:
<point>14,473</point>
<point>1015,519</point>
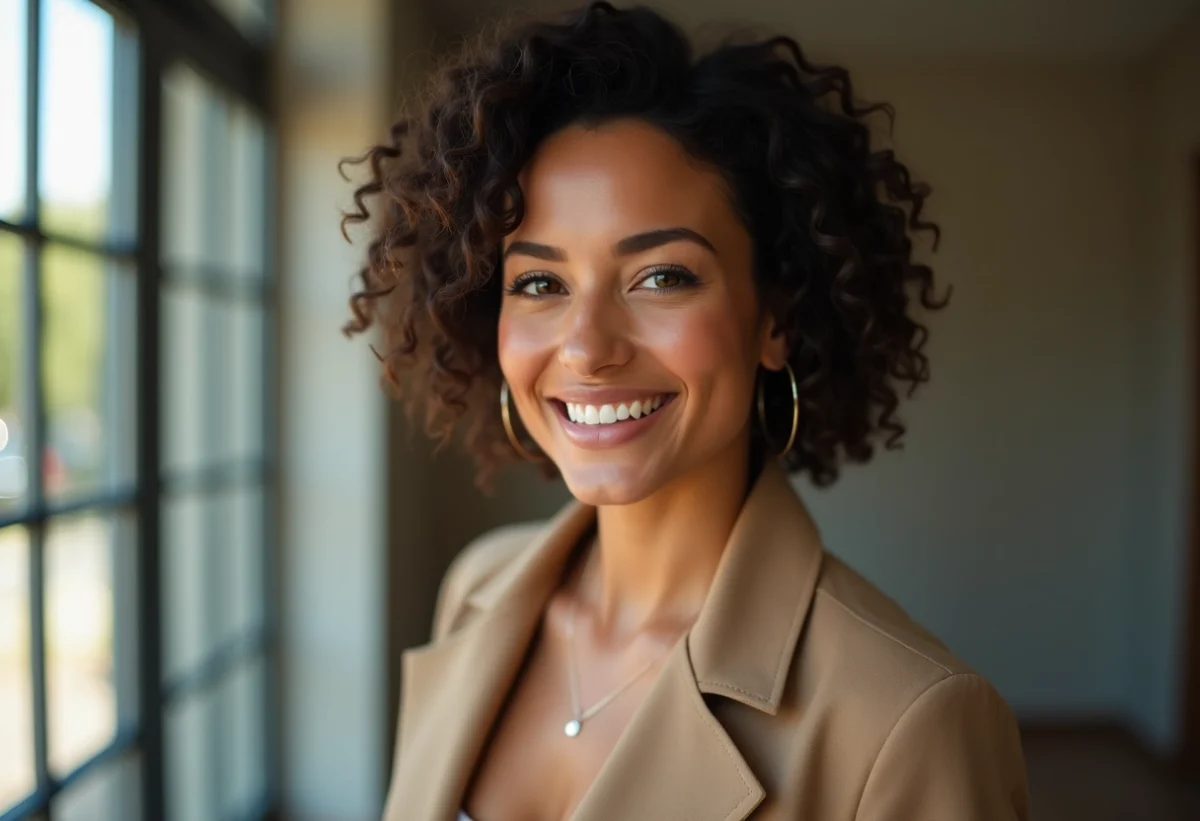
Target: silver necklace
<point>579,715</point>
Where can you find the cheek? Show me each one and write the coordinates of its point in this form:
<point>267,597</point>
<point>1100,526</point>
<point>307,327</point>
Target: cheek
<point>708,348</point>
<point>523,345</point>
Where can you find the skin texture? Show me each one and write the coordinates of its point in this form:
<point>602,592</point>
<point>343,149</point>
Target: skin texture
<point>591,319</point>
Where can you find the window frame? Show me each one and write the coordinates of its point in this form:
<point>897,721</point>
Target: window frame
<point>167,31</point>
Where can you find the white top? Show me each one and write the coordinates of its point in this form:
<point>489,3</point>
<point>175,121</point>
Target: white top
<point>462,816</point>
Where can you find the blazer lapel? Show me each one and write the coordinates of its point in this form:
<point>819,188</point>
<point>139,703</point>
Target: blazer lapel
<point>453,689</point>
<point>674,760</point>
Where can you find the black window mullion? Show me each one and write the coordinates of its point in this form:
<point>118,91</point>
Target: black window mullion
<point>35,410</point>
<point>149,457</point>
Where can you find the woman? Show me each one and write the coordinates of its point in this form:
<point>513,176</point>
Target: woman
<point>682,278</point>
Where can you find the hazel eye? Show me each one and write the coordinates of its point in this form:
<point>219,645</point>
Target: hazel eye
<point>541,287</point>
<point>662,280</point>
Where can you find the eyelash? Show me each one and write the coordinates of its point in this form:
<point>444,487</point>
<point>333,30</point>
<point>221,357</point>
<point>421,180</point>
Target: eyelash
<point>686,277</point>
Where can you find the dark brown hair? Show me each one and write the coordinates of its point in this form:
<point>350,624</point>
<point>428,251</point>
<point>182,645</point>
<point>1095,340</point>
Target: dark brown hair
<point>830,218</point>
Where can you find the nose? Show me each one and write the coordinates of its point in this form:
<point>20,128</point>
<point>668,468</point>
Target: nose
<point>596,336</point>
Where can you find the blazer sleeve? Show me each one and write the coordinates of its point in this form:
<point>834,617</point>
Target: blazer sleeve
<point>954,755</point>
<point>452,591</point>
<point>475,564</point>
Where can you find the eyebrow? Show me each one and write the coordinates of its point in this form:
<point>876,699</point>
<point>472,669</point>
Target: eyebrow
<point>634,244</point>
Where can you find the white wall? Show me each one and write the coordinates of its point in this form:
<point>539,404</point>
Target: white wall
<point>1169,85</point>
<point>334,80</point>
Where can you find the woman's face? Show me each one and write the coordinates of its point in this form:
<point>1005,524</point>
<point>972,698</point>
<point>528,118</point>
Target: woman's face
<point>630,331</point>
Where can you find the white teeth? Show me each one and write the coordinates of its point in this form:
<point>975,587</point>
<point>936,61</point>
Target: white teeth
<point>610,414</point>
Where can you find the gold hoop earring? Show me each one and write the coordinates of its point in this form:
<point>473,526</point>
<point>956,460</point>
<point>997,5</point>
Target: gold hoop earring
<point>506,418</point>
<point>762,411</point>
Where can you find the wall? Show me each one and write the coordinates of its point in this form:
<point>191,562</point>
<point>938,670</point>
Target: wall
<point>1169,84</point>
<point>334,88</point>
<point>1001,525</point>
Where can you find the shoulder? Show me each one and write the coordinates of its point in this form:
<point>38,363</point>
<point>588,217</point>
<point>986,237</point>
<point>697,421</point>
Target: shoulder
<point>852,609</point>
<point>483,559</point>
<point>921,712</point>
<point>866,655</point>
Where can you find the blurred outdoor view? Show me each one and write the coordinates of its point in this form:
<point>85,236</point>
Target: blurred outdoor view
<point>87,396</point>
<point>70,540</point>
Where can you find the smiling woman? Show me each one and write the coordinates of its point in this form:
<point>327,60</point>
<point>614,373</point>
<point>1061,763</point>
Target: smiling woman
<point>683,276</point>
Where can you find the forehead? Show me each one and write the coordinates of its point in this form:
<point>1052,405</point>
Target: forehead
<point>618,179</point>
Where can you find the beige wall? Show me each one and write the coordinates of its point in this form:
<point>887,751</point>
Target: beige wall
<point>335,98</point>
<point>1002,525</point>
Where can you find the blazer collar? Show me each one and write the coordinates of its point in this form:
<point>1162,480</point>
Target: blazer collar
<point>742,642</point>
<point>740,647</point>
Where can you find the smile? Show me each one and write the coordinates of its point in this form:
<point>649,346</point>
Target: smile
<point>597,425</point>
<point>612,414</point>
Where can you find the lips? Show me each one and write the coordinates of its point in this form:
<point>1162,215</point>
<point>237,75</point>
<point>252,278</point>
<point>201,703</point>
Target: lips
<point>606,419</point>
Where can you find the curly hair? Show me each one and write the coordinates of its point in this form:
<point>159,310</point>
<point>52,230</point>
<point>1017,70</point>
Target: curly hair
<point>829,217</point>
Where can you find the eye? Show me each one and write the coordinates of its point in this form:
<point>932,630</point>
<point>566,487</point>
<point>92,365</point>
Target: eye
<point>667,279</point>
<point>542,287</point>
<point>535,285</point>
<point>664,279</point>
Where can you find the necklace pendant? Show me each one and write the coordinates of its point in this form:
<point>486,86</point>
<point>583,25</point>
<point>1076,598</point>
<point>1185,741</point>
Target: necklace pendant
<point>572,727</point>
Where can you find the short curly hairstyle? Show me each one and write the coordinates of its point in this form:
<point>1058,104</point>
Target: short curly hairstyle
<point>829,217</point>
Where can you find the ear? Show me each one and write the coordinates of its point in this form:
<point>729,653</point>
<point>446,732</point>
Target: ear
<point>773,350</point>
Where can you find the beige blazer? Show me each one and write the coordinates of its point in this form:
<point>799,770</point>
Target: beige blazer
<point>801,691</point>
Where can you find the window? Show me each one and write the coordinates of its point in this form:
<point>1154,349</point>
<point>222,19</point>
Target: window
<point>136,474</point>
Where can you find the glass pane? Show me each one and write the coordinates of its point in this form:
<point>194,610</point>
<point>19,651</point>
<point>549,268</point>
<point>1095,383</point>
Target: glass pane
<point>244,372</point>
<point>241,778</point>
<point>186,98</point>
<point>88,372</point>
<point>214,183</point>
<point>237,526</point>
<point>16,682</point>
<point>14,437</point>
<point>190,730</point>
<point>78,80</point>
<point>185,586</point>
<point>185,397</point>
<point>248,205</point>
<point>81,675</point>
<point>111,793</point>
<point>12,110</point>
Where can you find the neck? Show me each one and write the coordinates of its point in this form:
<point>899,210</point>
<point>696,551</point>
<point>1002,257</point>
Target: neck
<point>655,559</point>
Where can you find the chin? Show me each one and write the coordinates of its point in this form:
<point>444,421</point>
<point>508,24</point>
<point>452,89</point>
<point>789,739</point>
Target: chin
<point>610,484</point>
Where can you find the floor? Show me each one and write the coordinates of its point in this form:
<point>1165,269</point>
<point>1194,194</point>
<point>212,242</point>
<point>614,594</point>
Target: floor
<point>1103,776</point>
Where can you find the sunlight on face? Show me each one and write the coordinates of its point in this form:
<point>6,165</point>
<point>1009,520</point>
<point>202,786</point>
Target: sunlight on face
<point>629,330</point>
